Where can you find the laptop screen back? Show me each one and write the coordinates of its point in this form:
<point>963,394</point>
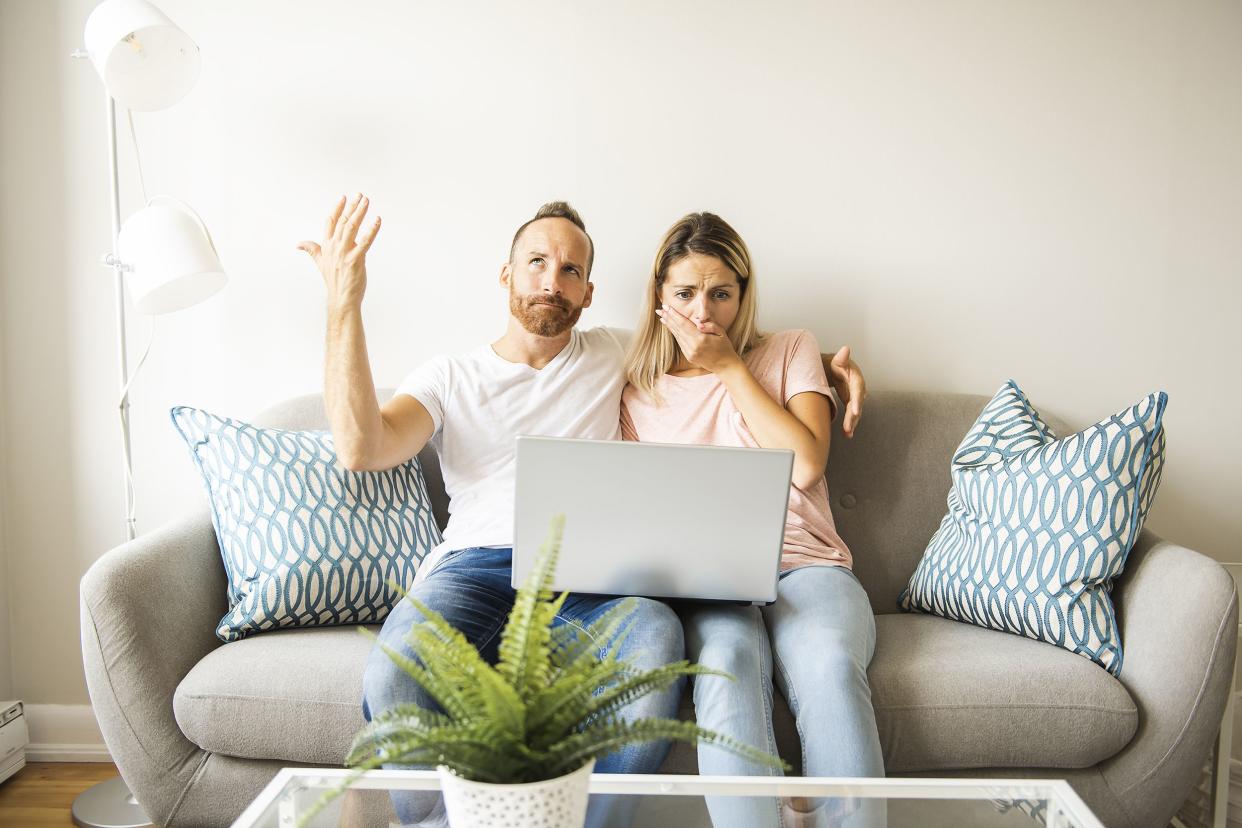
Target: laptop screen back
<point>651,519</point>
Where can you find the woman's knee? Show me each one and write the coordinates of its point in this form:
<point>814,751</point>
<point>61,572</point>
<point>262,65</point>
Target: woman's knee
<point>833,670</point>
<point>734,644</point>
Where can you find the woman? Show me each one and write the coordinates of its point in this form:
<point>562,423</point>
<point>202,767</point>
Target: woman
<point>700,372</point>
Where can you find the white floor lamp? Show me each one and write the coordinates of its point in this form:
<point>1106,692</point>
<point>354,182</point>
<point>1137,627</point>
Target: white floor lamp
<point>164,250</point>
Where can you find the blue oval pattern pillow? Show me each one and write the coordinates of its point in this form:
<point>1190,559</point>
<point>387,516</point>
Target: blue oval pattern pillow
<point>1038,527</point>
<point>305,541</point>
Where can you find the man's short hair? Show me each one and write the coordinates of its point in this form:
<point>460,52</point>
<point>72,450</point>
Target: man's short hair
<point>558,209</point>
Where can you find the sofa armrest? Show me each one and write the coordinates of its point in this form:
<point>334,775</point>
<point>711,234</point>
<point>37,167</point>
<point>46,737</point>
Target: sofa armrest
<point>149,610</point>
<point>1178,612</point>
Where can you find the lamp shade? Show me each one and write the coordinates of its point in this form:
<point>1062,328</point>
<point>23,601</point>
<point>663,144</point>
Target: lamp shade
<point>143,58</point>
<point>172,261</point>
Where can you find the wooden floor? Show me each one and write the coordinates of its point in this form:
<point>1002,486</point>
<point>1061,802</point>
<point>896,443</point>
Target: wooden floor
<point>43,792</point>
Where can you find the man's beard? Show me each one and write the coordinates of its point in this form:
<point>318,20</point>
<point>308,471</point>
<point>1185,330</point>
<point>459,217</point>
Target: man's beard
<point>535,315</point>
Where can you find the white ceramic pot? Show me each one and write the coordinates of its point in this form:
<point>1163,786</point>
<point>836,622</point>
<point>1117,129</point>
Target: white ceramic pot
<point>554,803</point>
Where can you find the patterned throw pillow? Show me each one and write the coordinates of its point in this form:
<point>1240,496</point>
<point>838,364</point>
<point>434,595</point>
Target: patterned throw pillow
<point>1038,527</point>
<point>305,542</point>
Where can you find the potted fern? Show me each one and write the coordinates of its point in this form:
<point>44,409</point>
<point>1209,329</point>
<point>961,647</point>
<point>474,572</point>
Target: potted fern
<point>526,732</point>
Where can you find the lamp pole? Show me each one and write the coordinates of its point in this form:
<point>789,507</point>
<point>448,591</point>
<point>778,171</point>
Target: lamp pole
<point>122,355</point>
<point>110,804</point>
<point>113,260</point>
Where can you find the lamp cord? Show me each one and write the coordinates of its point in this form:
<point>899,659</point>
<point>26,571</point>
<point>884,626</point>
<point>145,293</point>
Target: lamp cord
<point>123,409</point>
<point>133,138</point>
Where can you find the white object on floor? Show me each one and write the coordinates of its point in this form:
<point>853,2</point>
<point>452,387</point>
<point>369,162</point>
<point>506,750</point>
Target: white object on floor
<point>14,737</point>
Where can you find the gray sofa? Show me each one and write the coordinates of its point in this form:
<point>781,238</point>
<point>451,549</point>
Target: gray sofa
<point>197,727</point>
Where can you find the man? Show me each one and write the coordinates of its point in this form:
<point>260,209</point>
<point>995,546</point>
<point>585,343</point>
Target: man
<point>544,377</point>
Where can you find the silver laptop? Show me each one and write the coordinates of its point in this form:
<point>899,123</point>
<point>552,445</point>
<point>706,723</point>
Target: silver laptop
<point>652,519</point>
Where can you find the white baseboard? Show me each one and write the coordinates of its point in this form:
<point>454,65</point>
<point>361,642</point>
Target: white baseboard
<point>64,733</point>
<point>46,752</point>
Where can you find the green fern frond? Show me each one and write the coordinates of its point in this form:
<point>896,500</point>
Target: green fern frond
<point>481,764</point>
<point>444,693</point>
<point>461,654</point>
<point>459,747</point>
<point>524,643</point>
<point>405,719</point>
<point>424,717</point>
<point>375,736</point>
<point>524,648</point>
<point>580,670</point>
<point>565,699</point>
<point>573,644</point>
<point>592,706</point>
<point>484,691</point>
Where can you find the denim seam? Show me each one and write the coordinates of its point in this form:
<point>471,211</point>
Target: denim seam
<point>761,632</point>
<point>760,629</point>
<point>500,622</point>
<point>573,622</point>
<point>792,697</point>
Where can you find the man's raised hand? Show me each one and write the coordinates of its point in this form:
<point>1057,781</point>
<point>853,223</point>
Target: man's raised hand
<point>341,256</point>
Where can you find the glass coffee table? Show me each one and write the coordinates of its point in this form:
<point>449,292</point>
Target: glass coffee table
<point>677,800</point>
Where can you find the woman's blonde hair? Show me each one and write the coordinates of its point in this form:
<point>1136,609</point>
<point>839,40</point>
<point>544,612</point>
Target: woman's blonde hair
<point>654,351</point>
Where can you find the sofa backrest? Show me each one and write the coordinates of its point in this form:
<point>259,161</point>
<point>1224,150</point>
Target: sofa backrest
<point>887,485</point>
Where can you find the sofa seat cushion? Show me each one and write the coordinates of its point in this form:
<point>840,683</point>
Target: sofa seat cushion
<point>947,695</point>
<point>292,695</point>
<point>951,695</point>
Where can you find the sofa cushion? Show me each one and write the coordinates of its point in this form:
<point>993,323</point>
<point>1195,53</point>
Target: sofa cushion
<point>292,695</point>
<point>305,541</point>
<point>306,413</point>
<point>946,696</point>
<point>949,695</point>
<point>1038,527</point>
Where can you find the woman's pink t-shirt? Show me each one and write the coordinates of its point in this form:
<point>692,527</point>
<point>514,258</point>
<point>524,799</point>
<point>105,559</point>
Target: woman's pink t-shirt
<point>699,410</point>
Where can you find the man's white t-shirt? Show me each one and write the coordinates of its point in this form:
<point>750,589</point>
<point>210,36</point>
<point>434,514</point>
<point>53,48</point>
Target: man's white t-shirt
<point>480,403</point>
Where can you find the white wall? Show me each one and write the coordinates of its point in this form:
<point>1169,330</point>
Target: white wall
<point>963,191</point>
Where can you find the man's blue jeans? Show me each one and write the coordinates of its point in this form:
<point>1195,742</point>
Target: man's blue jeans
<point>823,633</point>
<point>471,589</point>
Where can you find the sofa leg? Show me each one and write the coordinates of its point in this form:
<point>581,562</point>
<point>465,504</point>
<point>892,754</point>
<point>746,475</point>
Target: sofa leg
<point>1220,767</point>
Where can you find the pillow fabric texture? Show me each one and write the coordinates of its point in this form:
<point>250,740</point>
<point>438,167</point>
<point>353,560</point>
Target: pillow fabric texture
<point>1038,527</point>
<point>305,542</point>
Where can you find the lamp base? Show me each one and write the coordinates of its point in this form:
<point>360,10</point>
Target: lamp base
<point>108,805</point>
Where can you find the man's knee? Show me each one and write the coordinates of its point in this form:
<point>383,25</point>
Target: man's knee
<point>655,636</point>
<point>384,683</point>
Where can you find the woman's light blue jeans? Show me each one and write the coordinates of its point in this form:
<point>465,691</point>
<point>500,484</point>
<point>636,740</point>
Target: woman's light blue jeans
<point>820,635</point>
<point>470,588</point>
